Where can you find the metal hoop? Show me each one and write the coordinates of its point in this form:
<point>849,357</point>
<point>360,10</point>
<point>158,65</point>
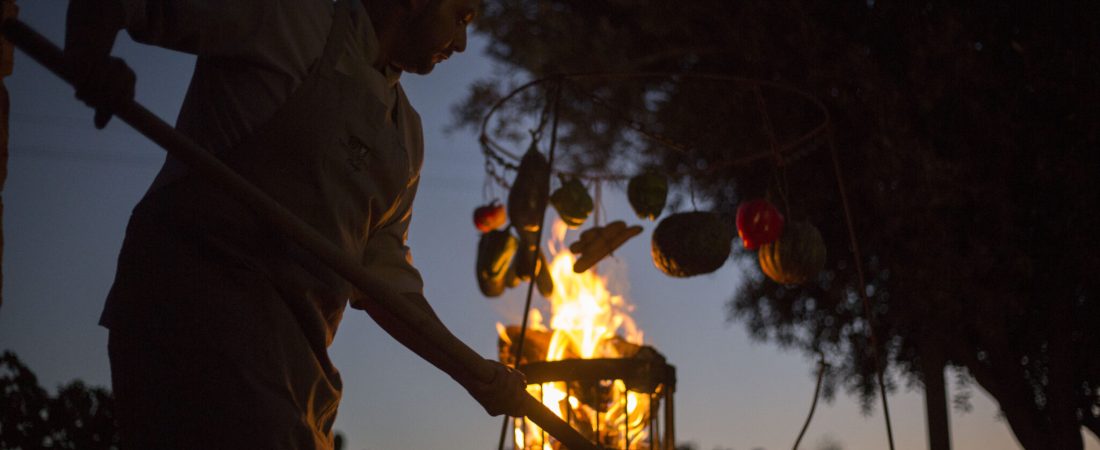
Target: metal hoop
<point>786,150</point>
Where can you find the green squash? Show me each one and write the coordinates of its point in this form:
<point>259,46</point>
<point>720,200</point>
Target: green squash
<point>647,194</point>
<point>572,202</point>
<point>797,256</point>
<point>524,266</point>
<point>530,191</point>
<point>692,243</point>
<point>495,251</point>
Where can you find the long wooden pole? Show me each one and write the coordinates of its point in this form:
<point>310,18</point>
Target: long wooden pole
<point>210,167</point>
<point>8,10</point>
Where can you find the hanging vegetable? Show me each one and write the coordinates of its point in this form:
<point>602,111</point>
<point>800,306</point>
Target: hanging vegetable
<point>494,254</point>
<point>692,243</point>
<point>597,242</point>
<point>543,280</point>
<point>796,256</point>
<point>758,223</point>
<point>528,197</point>
<point>489,217</point>
<point>511,280</point>
<point>524,265</point>
<point>647,193</point>
<point>572,202</point>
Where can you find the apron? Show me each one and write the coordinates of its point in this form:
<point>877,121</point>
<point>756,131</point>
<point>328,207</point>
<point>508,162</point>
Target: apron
<point>247,315</point>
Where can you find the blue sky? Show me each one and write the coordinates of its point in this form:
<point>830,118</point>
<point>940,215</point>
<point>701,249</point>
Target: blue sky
<point>71,187</point>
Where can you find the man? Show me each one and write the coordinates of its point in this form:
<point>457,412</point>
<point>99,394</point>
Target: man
<point>219,326</point>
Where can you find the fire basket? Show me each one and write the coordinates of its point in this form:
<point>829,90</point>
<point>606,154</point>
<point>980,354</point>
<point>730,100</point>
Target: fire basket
<point>618,403</point>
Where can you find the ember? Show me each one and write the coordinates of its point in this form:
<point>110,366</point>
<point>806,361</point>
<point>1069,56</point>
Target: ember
<point>590,365</point>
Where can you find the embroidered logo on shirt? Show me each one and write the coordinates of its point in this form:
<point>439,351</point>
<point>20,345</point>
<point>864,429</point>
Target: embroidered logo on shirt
<point>357,153</point>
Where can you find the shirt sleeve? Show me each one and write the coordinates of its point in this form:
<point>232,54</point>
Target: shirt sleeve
<point>388,257</point>
<point>262,30</point>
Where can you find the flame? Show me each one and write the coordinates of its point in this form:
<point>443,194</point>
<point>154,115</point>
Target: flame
<point>586,320</point>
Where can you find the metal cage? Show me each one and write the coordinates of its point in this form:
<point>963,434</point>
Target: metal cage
<point>617,403</point>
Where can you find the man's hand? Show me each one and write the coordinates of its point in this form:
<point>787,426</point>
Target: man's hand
<point>105,84</point>
<point>504,394</point>
<point>102,82</point>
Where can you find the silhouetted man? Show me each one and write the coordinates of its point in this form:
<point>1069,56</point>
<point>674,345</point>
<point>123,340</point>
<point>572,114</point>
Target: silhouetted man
<point>219,326</point>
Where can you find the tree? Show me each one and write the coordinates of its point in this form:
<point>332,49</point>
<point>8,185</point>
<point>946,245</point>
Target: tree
<point>967,142</point>
<point>78,417</point>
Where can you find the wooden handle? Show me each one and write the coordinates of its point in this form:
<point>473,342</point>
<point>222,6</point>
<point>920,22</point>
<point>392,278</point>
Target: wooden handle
<point>208,166</point>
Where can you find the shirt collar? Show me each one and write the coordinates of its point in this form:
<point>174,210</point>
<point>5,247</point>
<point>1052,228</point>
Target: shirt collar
<point>370,41</point>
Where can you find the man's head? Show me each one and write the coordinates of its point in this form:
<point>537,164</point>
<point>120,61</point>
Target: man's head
<point>432,31</point>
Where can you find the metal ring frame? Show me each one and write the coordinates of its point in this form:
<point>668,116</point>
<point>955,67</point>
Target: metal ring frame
<point>505,157</point>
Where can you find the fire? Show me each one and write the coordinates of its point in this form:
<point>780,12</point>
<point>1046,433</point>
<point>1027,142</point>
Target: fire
<point>584,315</point>
<point>587,321</point>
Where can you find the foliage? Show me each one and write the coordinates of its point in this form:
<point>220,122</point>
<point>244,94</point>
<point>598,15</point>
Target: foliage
<point>966,136</point>
<point>78,417</point>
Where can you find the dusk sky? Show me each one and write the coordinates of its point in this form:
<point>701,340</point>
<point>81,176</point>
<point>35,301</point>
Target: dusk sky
<point>71,188</point>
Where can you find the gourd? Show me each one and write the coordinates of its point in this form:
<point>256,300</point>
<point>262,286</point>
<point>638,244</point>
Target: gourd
<point>647,194</point>
<point>691,243</point>
<point>529,194</point>
<point>796,256</point>
<point>572,202</point>
<point>525,266</point>
<point>495,251</point>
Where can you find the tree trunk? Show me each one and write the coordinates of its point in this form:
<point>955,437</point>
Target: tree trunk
<point>935,400</point>
<point>1011,395</point>
<point>1065,427</point>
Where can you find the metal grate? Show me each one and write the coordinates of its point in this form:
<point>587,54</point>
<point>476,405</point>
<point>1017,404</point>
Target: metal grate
<point>617,403</point>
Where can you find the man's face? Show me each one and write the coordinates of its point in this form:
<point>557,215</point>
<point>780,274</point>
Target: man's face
<point>433,34</point>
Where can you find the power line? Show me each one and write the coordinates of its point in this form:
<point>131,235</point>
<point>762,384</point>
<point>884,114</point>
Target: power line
<point>95,156</point>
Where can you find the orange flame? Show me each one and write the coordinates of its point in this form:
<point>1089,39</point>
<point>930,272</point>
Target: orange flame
<point>586,319</point>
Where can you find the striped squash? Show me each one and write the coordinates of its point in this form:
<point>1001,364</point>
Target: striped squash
<point>797,256</point>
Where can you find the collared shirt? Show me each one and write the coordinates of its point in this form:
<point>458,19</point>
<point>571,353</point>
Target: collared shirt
<point>252,54</point>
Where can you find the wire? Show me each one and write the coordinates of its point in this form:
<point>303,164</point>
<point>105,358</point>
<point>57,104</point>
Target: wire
<point>536,255</point>
<point>861,289</point>
<point>503,155</point>
<point>109,157</point>
<point>821,367</point>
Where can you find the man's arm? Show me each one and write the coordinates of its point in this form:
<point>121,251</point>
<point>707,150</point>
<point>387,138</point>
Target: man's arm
<point>202,27</point>
<point>102,82</point>
<point>271,36</point>
<point>501,395</point>
<point>389,258</point>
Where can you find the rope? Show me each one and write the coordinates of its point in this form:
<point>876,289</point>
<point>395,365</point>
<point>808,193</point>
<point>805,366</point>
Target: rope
<point>821,367</point>
<point>862,284</point>
<point>780,165</point>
